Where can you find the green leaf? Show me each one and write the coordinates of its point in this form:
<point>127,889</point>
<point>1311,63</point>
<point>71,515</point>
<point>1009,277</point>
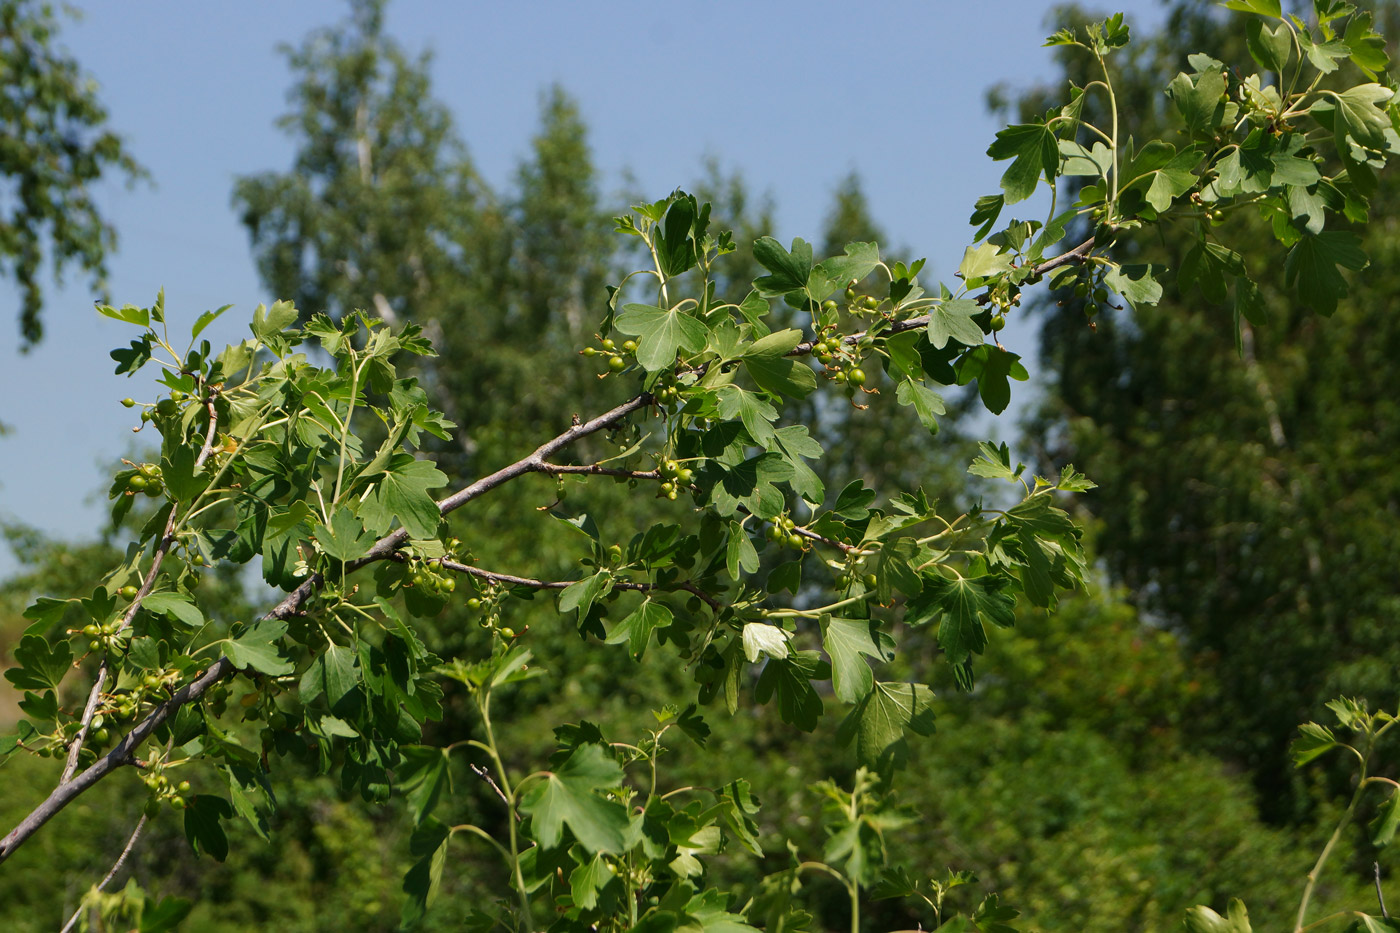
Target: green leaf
<point>985,213</point>
<point>982,261</point>
<point>587,880</point>
<point>790,679</point>
<point>1136,282</point>
<point>763,640</point>
<point>741,555</point>
<point>992,367</point>
<point>894,568</point>
<point>1202,102</point>
<point>251,796</point>
<point>422,881</point>
<point>46,612</point>
<point>1270,48</point>
<point>423,777</point>
<point>345,539</point>
<point>852,501</point>
<point>567,798</point>
<point>790,270</point>
<point>268,323</point>
<point>581,594</point>
<point>1387,821</point>
<point>845,640</point>
<point>1313,740</point>
<point>205,319</point>
<point>1312,264</point>
<point>675,249</point>
<point>859,261</point>
<point>995,463</point>
<point>782,376</point>
<point>39,665</point>
<point>177,606</point>
<point>756,414</point>
<point>927,404</point>
<point>880,723</point>
<point>1361,114</point>
<point>964,605</point>
<point>402,493</point>
<point>202,825</point>
<point>953,319</point>
<point>178,472</point>
<point>1035,152</point>
<point>1367,46</point>
<point>1262,7</point>
<point>1162,172</point>
<point>637,627</point>
<point>661,334</point>
<point>1093,162</point>
<point>256,648</point>
<point>1202,919</point>
<point>127,314</point>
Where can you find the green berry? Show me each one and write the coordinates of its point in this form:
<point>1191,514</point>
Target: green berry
<point>629,346</point>
<point>794,541</point>
<point>91,630</point>
<point>998,322</point>
<point>590,351</point>
<point>850,294</point>
<point>473,603</point>
<point>608,344</point>
<point>871,302</point>
<point>829,305</point>
<point>94,645</point>
<point>129,402</point>
<point>100,736</point>
<point>869,581</point>
<point>617,364</point>
<point>856,377</point>
<point>138,482</point>
<point>127,592</point>
<point>183,787</point>
<point>507,632</point>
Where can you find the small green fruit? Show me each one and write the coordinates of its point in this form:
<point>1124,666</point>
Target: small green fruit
<point>127,592</point>
<point>998,322</point>
<point>129,402</point>
<point>856,377</point>
<point>617,364</point>
<point>138,482</point>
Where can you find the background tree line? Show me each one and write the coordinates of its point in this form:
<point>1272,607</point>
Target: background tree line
<point>1120,760</point>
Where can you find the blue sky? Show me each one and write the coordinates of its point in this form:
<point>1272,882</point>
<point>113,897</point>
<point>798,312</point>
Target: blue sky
<point>793,95</point>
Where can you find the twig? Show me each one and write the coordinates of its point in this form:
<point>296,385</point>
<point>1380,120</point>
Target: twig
<point>485,775</point>
<point>564,584</point>
<point>1380,895</point>
<point>116,867</point>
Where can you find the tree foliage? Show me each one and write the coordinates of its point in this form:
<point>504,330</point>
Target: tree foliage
<point>57,146</point>
<point>693,521</point>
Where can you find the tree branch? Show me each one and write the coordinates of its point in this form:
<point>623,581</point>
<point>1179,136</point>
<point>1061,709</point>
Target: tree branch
<point>123,753</point>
